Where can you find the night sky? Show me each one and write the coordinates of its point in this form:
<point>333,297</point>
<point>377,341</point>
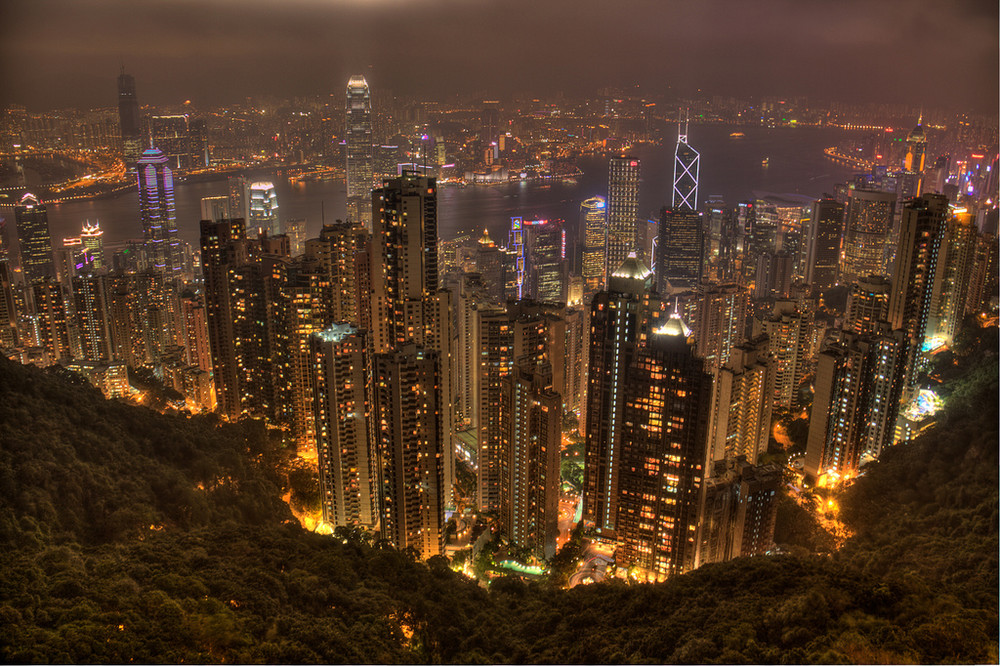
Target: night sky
<point>67,52</point>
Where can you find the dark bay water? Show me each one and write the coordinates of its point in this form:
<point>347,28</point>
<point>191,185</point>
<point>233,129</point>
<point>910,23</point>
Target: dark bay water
<point>729,167</point>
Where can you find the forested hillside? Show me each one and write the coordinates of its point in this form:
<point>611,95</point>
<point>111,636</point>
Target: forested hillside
<point>132,536</point>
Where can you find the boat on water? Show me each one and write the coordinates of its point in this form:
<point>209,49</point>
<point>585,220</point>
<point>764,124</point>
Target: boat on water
<point>737,135</point>
<point>764,162</point>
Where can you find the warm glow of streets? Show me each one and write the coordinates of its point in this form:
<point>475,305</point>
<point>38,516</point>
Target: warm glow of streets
<point>823,503</point>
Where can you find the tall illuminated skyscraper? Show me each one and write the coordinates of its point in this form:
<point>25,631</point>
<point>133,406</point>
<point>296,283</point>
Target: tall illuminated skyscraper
<point>32,222</point>
<point>90,294</point>
<point>595,237</point>
<point>157,213</point>
<point>687,163</point>
<point>92,239</point>
<point>342,408</point>
<point>741,404</point>
<point>922,228</point>
<point>540,248</point>
<point>720,324</point>
<point>532,414</point>
<point>859,381</point>
<point>360,155</point>
<point>823,244</point>
<point>409,448</point>
<point>866,232</point>
<point>264,208</point>
<point>667,397</point>
<point>680,242</point>
<point>867,304</point>
<point>623,212</point>
<point>621,318</point>
<point>913,165</point>
<point>407,305</point>
<point>129,120</point>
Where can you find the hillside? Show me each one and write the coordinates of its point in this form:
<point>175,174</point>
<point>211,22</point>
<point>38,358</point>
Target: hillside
<point>132,536</point>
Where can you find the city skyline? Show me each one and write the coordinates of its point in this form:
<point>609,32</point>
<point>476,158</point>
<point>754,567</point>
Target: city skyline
<point>816,50</point>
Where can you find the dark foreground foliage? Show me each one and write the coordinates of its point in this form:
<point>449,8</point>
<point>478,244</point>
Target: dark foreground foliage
<point>131,536</point>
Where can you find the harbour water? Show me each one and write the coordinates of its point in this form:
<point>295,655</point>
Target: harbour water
<point>730,167</point>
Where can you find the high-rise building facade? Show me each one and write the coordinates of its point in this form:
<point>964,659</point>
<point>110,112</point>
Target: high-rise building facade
<point>951,283</point>
<point>621,320</point>
<point>342,403</point>
<point>540,249</point>
<point>32,222</point>
<point>264,209</point>
<point>793,340</point>
<point>409,452</point>
<point>866,233</point>
<point>741,404</point>
<point>594,212</point>
<point>719,323</point>
<point>407,306</point>
<point>867,304</point>
<point>664,432</point>
<point>129,120</point>
<point>532,415</point>
<point>247,307</point>
<point>687,164</point>
<point>679,250</point>
<point>922,229</point>
<point>90,294</point>
<point>740,511</point>
<point>359,155</point>
<point>826,225</point>
<point>859,381</point>
<point>623,212</point>
<point>158,214</point>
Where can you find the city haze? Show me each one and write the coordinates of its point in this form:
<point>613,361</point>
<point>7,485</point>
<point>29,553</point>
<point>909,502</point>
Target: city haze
<point>59,54</point>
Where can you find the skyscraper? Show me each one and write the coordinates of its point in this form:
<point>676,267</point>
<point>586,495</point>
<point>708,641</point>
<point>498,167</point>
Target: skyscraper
<point>859,381</point>
<point>741,404</point>
<point>343,414</point>
<point>740,510</point>
<point>216,208</point>
<point>32,222</point>
<point>621,319</point>
<point>720,323</point>
<point>540,248</point>
<point>922,228</point>
<point>264,209</point>
<point>623,212</point>
<point>951,282</point>
<point>409,448</point>
<point>92,239</point>
<point>247,308</point>
<point>679,248</point>
<point>667,397</point>
<point>129,120</point>
<point>90,293</point>
<point>913,165</point>
<point>823,244</point>
<point>359,156</point>
<point>407,305</point>
<point>793,340</point>
<point>157,213</point>
<point>866,232</point>
<point>687,163</point>
<point>239,199</point>
<point>867,304</point>
<point>594,212</point>
<point>532,412</point>
<point>506,338</point>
